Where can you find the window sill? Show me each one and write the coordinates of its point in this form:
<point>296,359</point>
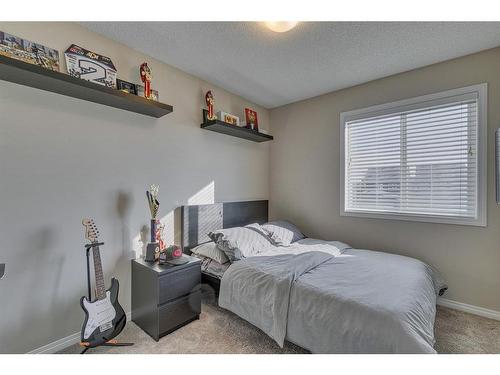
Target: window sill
<point>479,222</point>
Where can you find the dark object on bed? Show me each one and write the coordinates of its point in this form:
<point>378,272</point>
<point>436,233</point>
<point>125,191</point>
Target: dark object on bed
<point>197,221</point>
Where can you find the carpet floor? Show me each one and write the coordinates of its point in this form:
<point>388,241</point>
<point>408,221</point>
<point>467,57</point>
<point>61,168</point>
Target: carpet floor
<point>220,331</point>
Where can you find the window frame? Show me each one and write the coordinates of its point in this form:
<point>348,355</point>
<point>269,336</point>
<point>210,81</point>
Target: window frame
<point>481,90</point>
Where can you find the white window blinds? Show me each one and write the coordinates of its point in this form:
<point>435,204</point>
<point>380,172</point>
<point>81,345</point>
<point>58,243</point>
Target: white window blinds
<point>420,159</point>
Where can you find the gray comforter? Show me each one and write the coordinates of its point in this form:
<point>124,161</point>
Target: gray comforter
<point>361,301</point>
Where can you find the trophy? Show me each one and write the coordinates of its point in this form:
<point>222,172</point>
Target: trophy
<point>146,77</point>
<point>153,247</point>
<point>209,99</point>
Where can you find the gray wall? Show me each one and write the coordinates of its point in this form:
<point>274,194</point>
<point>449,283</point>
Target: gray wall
<point>304,177</point>
<point>62,159</point>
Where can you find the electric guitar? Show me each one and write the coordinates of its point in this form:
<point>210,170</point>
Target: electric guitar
<point>104,317</point>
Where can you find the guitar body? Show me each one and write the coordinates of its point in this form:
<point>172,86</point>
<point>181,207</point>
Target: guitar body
<point>104,318</point>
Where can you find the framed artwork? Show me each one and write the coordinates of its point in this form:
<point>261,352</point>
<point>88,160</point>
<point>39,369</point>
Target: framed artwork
<point>126,86</point>
<point>30,52</point>
<point>229,118</point>
<point>251,118</point>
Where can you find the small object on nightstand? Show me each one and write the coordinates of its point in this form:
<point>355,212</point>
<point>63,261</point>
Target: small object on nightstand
<point>152,251</point>
<point>174,256</point>
<point>153,247</point>
<point>165,297</point>
<point>2,270</point>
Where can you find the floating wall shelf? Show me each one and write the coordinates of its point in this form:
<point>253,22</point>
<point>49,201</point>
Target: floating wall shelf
<point>35,76</point>
<point>236,131</point>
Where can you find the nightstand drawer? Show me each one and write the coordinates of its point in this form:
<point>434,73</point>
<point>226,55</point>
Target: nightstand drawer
<point>179,283</point>
<point>176,313</point>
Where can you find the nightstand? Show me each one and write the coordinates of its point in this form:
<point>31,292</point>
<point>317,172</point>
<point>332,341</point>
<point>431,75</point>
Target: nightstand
<point>167,297</point>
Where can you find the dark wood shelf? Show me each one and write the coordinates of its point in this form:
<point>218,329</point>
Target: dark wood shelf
<point>235,131</point>
<point>35,76</point>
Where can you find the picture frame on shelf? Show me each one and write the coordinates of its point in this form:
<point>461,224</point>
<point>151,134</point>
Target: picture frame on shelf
<point>228,118</point>
<point>29,52</point>
<point>125,86</point>
<point>251,119</point>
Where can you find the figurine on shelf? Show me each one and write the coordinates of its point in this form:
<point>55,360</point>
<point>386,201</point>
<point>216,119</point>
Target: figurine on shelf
<point>209,99</point>
<point>146,77</point>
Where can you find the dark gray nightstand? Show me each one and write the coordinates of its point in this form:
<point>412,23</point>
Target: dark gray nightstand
<point>165,298</point>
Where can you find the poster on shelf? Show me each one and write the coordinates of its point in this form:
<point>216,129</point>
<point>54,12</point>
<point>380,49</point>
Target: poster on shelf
<point>90,66</point>
<point>29,52</point>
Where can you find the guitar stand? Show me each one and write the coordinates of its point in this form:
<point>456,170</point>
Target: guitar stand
<point>89,290</point>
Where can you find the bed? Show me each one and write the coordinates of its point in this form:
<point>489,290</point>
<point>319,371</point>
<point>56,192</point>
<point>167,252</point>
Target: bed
<point>321,295</point>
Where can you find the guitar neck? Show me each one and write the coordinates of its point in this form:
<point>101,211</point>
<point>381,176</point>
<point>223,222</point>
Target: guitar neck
<point>100,289</point>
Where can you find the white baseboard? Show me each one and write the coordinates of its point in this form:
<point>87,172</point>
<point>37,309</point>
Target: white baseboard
<point>63,343</point>
<point>471,309</point>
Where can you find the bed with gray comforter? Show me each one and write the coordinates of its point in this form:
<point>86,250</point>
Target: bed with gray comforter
<point>340,300</point>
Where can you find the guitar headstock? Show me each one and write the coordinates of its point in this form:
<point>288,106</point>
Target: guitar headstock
<point>91,231</point>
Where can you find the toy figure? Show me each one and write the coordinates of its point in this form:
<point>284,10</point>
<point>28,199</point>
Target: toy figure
<point>209,99</point>
<point>146,77</point>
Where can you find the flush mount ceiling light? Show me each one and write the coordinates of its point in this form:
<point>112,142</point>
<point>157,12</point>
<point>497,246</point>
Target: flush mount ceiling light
<point>281,27</point>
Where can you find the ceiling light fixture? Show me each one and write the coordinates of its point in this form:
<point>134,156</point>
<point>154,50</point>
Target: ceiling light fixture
<point>281,27</point>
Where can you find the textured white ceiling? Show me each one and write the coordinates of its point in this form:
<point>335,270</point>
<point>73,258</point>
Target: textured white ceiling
<point>273,69</point>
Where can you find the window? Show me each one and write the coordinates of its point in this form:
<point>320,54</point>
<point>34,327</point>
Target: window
<point>421,159</point>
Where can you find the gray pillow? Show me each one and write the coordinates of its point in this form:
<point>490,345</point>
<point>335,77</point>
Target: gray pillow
<point>282,233</point>
<point>241,242</point>
<point>210,250</point>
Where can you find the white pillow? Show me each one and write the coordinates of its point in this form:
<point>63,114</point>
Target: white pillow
<point>241,242</point>
<point>210,250</point>
<point>282,233</point>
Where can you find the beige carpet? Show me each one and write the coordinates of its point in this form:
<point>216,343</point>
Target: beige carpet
<point>219,331</point>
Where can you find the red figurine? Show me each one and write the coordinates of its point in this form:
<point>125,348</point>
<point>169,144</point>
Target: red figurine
<point>146,77</point>
<point>209,99</point>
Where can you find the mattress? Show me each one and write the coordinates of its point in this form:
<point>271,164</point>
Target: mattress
<point>329,300</point>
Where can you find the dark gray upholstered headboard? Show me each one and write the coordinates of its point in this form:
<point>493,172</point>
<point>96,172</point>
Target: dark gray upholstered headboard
<point>197,221</point>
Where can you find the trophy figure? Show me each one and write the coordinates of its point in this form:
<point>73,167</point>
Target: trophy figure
<point>209,99</point>
<point>153,247</point>
<point>146,77</point>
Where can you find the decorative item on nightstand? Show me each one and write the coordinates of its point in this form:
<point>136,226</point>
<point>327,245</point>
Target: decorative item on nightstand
<point>153,247</point>
<point>251,118</point>
<point>174,256</point>
<point>209,100</point>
